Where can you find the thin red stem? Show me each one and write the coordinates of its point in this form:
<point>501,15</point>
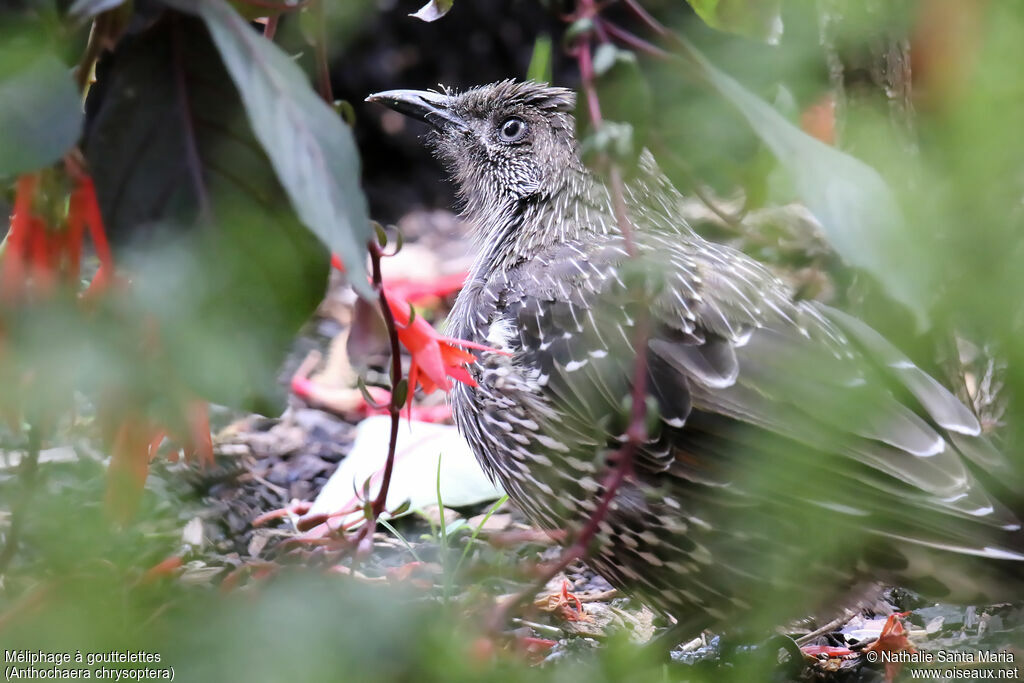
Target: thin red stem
<point>270,28</point>
<point>622,466</point>
<point>394,406</point>
<point>644,16</point>
<point>362,543</point>
<point>636,432</point>
<point>635,42</point>
<point>585,59</point>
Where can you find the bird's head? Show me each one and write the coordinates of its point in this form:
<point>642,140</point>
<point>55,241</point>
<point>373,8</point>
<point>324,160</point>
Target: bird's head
<point>503,143</point>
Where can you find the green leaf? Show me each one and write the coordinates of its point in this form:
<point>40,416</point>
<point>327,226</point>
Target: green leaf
<point>613,139</point>
<point>40,112</point>
<point>761,19</point>
<point>454,526</point>
<point>193,205</point>
<point>578,28</point>
<point>401,509</point>
<point>382,235</point>
<point>401,391</point>
<point>365,391</point>
<point>311,149</point>
<point>859,212</point>
<point>540,61</point>
<point>399,242</point>
<point>604,58</point>
<point>346,111</point>
<point>433,10</point>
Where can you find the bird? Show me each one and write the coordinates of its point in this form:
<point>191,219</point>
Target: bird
<point>792,454</point>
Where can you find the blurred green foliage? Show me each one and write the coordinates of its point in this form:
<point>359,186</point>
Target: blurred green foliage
<point>231,270</point>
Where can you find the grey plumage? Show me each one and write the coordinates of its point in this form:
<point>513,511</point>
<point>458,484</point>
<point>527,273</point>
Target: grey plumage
<point>742,378</point>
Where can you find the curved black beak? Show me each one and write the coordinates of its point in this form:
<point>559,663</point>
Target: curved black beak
<point>431,107</point>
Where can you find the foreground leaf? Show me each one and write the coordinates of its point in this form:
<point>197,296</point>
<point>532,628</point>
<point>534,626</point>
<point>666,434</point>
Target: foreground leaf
<point>761,19</point>
<point>226,268</point>
<point>855,206</point>
<point>312,150</point>
<point>40,112</point>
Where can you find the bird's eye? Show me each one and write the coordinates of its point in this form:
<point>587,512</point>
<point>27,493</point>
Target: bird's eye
<point>513,130</point>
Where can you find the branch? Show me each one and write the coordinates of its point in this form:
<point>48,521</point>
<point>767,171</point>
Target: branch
<point>362,543</point>
<point>270,28</point>
<point>394,404</point>
<point>323,70</point>
<point>635,42</point>
<point>644,16</point>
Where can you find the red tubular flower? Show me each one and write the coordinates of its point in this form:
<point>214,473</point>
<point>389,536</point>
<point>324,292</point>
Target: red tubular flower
<point>12,269</point>
<point>73,240</point>
<point>136,440</point>
<point>47,254</point>
<point>892,640</point>
<point>84,212</point>
<point>435,357</point>
<point>417,290</point>
<point>90,207</point>
<point>42,252</point>
<point>129,466</point>
<point>40,256</point>
<point>198,443</point>
<point>164,569</point>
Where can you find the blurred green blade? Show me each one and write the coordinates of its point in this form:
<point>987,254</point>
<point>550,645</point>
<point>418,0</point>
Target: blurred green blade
<point>858,210</point>
<point>40,113</point>
<point>540,61</point>
<point>311,149</point>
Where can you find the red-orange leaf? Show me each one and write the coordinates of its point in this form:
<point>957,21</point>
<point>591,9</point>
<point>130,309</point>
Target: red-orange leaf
<point>129,465</point>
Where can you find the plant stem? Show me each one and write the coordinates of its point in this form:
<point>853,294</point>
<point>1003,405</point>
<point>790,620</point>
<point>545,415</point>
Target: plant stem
<point>394,406</point>
<point>635,42</point>
<point>323,69</point>
<point>621,466</point>
<point>270,28</point>
<point>644,16</point>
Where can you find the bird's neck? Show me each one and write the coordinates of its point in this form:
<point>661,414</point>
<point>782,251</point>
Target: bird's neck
<point>511,230</point>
